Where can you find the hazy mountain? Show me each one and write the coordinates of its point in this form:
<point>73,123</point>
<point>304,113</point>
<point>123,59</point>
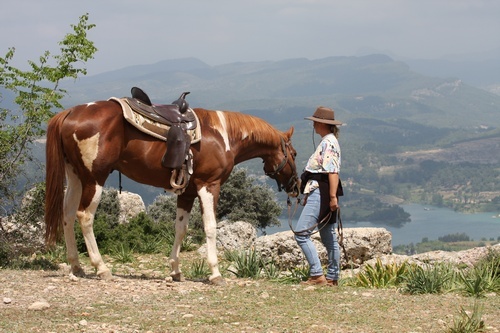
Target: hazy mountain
<point>373,86</point>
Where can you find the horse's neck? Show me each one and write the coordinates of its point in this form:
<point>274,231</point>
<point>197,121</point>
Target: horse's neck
<point>253,149</point>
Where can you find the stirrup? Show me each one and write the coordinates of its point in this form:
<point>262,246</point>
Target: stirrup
<point>178,181</point>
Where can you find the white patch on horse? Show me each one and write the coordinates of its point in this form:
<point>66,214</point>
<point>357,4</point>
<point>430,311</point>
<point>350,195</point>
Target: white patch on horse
<point>223,130</point>
<point>91,103</point>
<point>244,135</point>
<point>89,149</point>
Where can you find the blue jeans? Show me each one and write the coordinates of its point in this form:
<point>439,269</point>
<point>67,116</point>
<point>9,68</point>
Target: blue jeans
<point>307,219</point>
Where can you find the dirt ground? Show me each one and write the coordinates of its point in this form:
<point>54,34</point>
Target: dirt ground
<point>54,301</point>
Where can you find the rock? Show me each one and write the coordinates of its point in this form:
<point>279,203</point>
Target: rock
<point>233,236</point>
<point>40,305</point>
<point>131,204</point>
<point>7,300</point>
<point>361,244</point>
<point>466,257</point>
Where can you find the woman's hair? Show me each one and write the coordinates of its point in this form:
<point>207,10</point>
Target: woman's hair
<point>335,130</point>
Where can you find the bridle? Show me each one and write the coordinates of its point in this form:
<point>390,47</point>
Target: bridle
<point>292,182</point>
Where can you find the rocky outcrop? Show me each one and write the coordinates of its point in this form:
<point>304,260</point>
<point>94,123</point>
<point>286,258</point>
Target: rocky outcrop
<point>131,204</point>
<point>363,246</point>
<point>233,236</point>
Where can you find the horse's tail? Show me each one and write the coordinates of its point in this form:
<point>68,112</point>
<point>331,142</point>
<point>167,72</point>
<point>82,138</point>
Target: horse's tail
<point>54,179</point>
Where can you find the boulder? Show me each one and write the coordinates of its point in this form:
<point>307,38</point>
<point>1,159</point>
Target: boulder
<point>361,244</point>
<point>233,236</point>
<point>131,204</point>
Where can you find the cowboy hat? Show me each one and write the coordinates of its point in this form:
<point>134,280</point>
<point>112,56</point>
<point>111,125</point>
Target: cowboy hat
<point>324,115</point>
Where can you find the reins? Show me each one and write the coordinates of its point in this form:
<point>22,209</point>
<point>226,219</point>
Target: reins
<point>340,228</point>
<point>281,166</point>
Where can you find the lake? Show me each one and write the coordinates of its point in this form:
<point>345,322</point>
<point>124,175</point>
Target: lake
<point>431,222</point>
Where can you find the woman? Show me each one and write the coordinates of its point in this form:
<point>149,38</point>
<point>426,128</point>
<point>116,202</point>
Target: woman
<point>320,182</point>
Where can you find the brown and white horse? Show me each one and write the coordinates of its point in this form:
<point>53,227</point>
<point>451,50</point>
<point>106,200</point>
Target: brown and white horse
<point>87,142</point>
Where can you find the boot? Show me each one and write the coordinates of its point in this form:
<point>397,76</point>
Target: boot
<point>332,283</point>
<point>319,280</point>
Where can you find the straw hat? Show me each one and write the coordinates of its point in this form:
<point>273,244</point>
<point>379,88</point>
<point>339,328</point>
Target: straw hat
<point>324,115</point>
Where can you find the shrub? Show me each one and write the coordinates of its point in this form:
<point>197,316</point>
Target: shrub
<point>428,280</point>
<point>244,264</point>
<point>468,323</point>
<point>381,276</point>
<point>483,278</point>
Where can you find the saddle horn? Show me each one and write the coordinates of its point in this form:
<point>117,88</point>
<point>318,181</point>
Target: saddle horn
<point>182,103</point>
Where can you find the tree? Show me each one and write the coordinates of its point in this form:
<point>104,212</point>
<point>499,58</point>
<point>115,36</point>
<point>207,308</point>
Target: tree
<point>36,92</point>
<point>240,200</point>
<point>243,200</point>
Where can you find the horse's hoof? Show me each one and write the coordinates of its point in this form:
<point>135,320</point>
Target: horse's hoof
<point>105,275</point>
<point>78,271</point>
<point>177,277</point>
<point>218,281</point>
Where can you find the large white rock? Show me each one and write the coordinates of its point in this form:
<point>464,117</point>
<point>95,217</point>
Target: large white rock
<point>361,244</point>
<point>131,204</point>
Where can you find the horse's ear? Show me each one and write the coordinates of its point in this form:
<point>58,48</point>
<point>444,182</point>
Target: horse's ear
<point>289,132</point>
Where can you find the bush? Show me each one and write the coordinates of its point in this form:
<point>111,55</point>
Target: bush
<point>483,278</point>
<point>381,276</point>
<point>468,323</point>
<point>428,280</point>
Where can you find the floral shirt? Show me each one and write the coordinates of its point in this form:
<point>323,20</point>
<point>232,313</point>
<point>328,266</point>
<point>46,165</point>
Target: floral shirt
<point>326,159</point>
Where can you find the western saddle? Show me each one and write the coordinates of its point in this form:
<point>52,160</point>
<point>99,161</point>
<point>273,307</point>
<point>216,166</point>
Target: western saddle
<point>180,118</point>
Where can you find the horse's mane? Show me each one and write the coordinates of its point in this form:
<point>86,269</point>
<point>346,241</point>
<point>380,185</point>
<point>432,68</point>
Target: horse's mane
<point>240,126</point>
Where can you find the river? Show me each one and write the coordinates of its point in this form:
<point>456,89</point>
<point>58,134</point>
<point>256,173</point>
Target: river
<point>431,222</point>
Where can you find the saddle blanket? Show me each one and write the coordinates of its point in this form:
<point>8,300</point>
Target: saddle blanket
<point>152,127</point>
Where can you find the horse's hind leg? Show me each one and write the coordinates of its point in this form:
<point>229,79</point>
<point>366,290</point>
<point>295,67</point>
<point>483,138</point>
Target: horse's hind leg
<point>71,202</point>
<point>91,195</point>
<point>181,226</point>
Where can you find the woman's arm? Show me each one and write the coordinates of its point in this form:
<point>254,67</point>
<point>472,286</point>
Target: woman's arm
<point>333,179</point>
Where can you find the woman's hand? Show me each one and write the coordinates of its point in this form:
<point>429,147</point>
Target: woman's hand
<point>334,203</point>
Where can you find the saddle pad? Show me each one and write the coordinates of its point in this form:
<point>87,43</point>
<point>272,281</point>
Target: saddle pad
<point>152,127</point>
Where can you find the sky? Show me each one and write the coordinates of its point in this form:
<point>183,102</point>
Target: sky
<point>219,32</point>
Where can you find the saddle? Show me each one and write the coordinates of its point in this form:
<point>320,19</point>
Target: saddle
<point>169,114</point>
<point>178,124</point>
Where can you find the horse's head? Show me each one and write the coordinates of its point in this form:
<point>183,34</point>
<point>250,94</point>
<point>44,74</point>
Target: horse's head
<point>281,166</point>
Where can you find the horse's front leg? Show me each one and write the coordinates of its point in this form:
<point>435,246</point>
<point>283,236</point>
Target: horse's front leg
<point>181,228</point>
<point>86,219</point>
<point>208,201</point>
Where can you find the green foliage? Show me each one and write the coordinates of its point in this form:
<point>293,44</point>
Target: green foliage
<point>198,270</point>
<point>468,323</point>
<point>245,264</point>
<point>142,234</point>
<point>481,279</point>
<point>293,275</point>
<point>36,93</point>
<point>432,279</point>
<point>381,276</point>
<point>122,253</point>
<point>242,200</point>
<point>163,211</point>
<point>457,237</point>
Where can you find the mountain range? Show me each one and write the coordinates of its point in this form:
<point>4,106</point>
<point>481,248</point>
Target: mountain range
<point>395,115</point>
<point>373,86</point>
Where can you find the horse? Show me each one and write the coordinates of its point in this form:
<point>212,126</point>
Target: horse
<point>87,142</point>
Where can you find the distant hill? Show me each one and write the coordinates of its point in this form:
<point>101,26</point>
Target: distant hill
<point>373,86</point>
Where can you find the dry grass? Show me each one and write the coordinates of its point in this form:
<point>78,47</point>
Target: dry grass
<point>140,299</point>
